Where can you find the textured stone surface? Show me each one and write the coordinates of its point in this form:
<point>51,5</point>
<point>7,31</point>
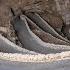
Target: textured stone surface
<point>58,65</point>
<point>49,10</point>
<point>63,64</point>
<point>29,5</point>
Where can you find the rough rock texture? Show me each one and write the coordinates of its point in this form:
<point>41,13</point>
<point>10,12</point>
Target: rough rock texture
<point>42,7</point>
<point>58,65</point>
<point>28,5</point>
<point>55,20</point>
<point>63,8</point>
<point>45,36</point>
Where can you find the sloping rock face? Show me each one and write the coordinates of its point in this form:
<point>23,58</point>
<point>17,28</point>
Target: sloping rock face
<point>55,12</point>
<point>47,9</point>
